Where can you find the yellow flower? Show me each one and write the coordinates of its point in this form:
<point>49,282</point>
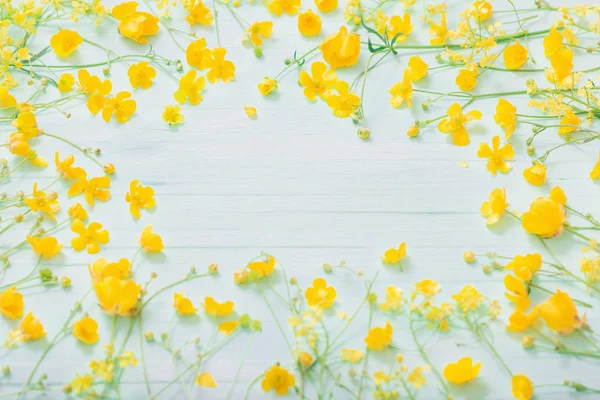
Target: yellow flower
<point>205,380</point>
<point>345,102</point>
<point>416,377</point>
<point>519,321</point>
<point>320,295</point>
<point>394,256</point>
<point>47,247</point>
<point>427,287</point>
<point>309,23</point>
<point>553,43</point>
<point>135,25</point>
<point>546,215</point>
<point>227,328</point>
<point>439,32</point>
<point>515,55</point>
<point>86,330</point>
<point>66,82</point>
<point>466,79</point>
<point>26,125</point>
<point>220,68</point>
<point>506,116</point>
<point>321,82</point>
<point>379,338</point>
<point>525,267</point>
<point>141,75</point>
<point>121,106</point>
<point>263,268</point>
<point>413,131</point>
<point>352,356</point>
<point>11,303</point>
<point>65,168</point>
<point>522,388</point>
<point>536,174</point>
<point>393,299</point>
<point>266,86</point>
<point>258,29</point>
<point>402,91</point>
<point>562,63</point>
<point>518,292</point>
<point>569,122</point>
<point>190,88</point>
<point>197,55</point>
<point>454,124</point>
<point>116,296</point>
<point>495,206</point>
<point>341,49</point>
<point>305,359</point>
<point>199,14</point>
<point>95,188</point>
<point>326,6</point>
<point>560,314</point>
<point>30,328</point>
<point>400,26</point>
<point>139,196</point>
<point>97,90</point>
<point>595,173</point>
<point>279,379</point>
<point>149,241</point>
<point>216,309</point>
<point>89,238</point>
<point>250,112</point>
<point>462,371</point>
<point>7,100</point>
<point>126,359</point>
<point>172,115</point>
<point>65,42</point>
<point>183,305</point>
<point>380,377</point>
<point>496,155</point>
<point>277,7</point>
<point>483,10</point>
<point>81,383</point>
<point>419,68</point>
<point>468,299</point>
<point>42,202</point>
<point>102,269</point>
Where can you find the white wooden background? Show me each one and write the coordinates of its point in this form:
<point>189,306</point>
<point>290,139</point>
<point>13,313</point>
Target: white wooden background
<point>299,184</point>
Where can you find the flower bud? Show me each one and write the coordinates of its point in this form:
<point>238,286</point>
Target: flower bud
<point>372,298</point>
<point>6,370</point>
<point>469,256</point>
<point>327,267</point>
<point>364,133</point>
<point>530,149</point>
<point>65,282</point>
<point>527,341</point>
<point>293,281</point>
<point>106,70</point>
<point>413,131</point>
<point>258,52</point>
<point>213,268</point>
<point>109,169</point>
<point>149,336</point>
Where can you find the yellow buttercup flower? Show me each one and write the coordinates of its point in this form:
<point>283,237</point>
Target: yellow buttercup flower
<point>341,49</point>
<point>227,328</point>
<point>172,115</point>
<point>47,247</point>
<point>497,156</point>
<point>66,82</point>
<point>95,188</point>
<point>133,24</point>
<point>462,371</point>
<point>122,106</point>
<point>482,10</point>
<point>320,295</point>
<point>7,100</point>
<point>394,256</point>
<point>562,63</point>
<point>267,86</point>
<point>89,238</point>
<point>197,55</point>
<point>258,31</point>
<point>506,116</point>
<point>326,6</point>
<point>101,269</point>
<point>519,321</point>
<point>11,303</point>
<point>416,377</point>
<point>190,88</point>
<point>40,202</point>
<point>595,172</point>
<point>278,379</point>
<point>400,26</point>
<point>263,268</point>
<point>454,124</point>
<point>536,174</point>
<point>117,296</point>
<point>216,309</point>
<point>309,23</point>
<point>466,79</point>
<point>522,388</point>
<point>198,14</point>
<point>419,68</point>
<point>560,314</point>
<point>66,169</point>
<point>469,298</point>
<point>553,43</point>
<point>344,103</point>
<point>379,338</point>
<point>65,42</point>
<point>205,380</point>
<point>139,197</point>
<point>515,55</point>
<point>352,356</point>
<point>183,305</point>
<point>141,75</point>
<point>517,292</point>
<point>30,328</point>
<point>305,359</point>
<point>27,125</point>
<point>320,83</point>
<point>427,287</point>
<point>96,89</point>
<point>439,32</point>
<point>86,330</point>
<point>81,383</point>
<point>402,91</point>
<point>149,241</point>
<point>569,122</point>
<point>220,68</point>
<point>393,299</point>
<point>546,215</point>
<point>76,211</point>
<point>525,267</point>
<point>277,7</point>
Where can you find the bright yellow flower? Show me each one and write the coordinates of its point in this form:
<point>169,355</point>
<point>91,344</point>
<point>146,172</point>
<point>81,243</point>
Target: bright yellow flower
<point>495,206</point>
<point>66,169</point>
<point>439,32</point>
<point>250,112</point>
<point>305,359</point>
<point>427,287</point>
<point>416,377</point>
<point>400,26</point>
<point>546,215</point>
<point>26,124</point>
<point>11,303</point>
<point>320,295</point>
<point>258,29</point>
<point>95,188</point>
<point>497,155</point>
<point>419,68</point>
<point>116,296</point>
<point>309,23</point>
<point>515,55</point>
<point>7,100</point>
<point>86,330</point>
<point>141,75</point>
<point>18,146</point>
<point>341,49</point>
<point>66,82</point>
<point>190,88</point>
<point>65,42</point>
<point>519,321</point>
<point>122,106</point>
<point>506,116</point>
<point>569,122</point>
<point>326,6</point>
<point>89,238</point>
<point>47,247</point>
<point>183,305</point>
<point>81,383</point>
<point>227,328</point>
<point>469,298</point>
<point>102,269</point>
<point>263,268</point>
<point>30,328</point>
<point>394,256</point>
<point>220,68</point>
<point>266,86</point>
<point>483,10</point>
<point>277,7</point>
<point>279,379</point>
<point>595,173</point>
<point>560,314</point>
<point>536,174</point>
<point>454,124</point>
<point>96,89</point>
<point>522,388</point>
<point>172,115</point>
<point>352,356</point>
<point>345,103</point>
<point>41,202</point>
<point>205,380</point>
<point>466,79</point>
<point>197,55</point>
<point>133,24</point>
<point>149,241</point>
<point>199,14</point>
<point>320,83</point>
<point>562,63</point>
<point>402,91</point>
<point>139,196</point>
<point>518,292</point>
<point>379,338</point>
<point>393,299</point>
<point>462,371</point>
<point>525,267</point>
<point>413,131</point>
<point>553,43</point>
<point>216,309</point>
